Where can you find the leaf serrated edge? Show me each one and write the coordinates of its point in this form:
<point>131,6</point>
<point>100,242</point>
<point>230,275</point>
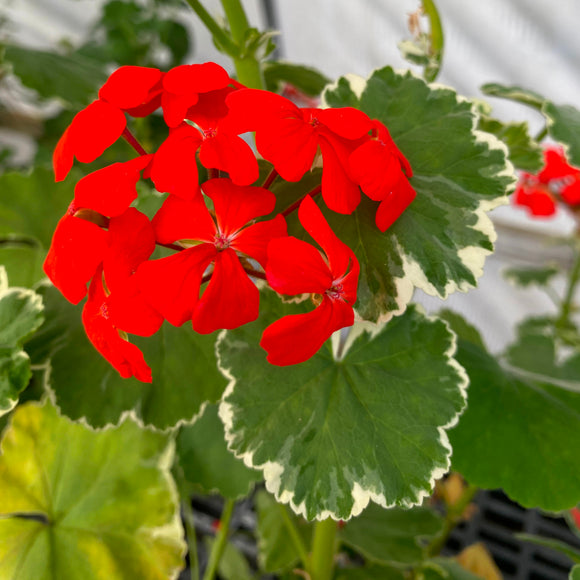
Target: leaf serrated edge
<point>272,470</point>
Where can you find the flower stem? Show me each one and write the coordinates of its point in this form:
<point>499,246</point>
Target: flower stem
<point>452,518</point>
<point>566,306</point>
<point>294,535</point>
<point>191,539</point>
<point>437,40</point>
<point>220,541</point>
<point>270,179</point>
<point>130,138</point>
<point>321,562</point>
<point>297,203</point>
<point>216,30</point>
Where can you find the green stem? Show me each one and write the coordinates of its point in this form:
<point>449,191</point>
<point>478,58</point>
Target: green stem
<point>191,539</point>
<point>437,39</point>
<point>294,535</point>
<point>323,550</point>
<point>248,69</point>
<point>540,136</point>
<point>220,541</point>
<point>216,30</point>
<point>566,305</point>
<point>452,518</point>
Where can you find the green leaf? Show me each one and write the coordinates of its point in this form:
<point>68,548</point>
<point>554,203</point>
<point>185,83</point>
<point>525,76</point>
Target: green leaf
<point>446,569</point>
<point>206,462</point>
<point>416,51</point>
<point>372,572</point>
<point>232,565</point>
<point>526,277</point>
<point>514,93</point>
<point>524,152</point>
<point>564,127</point>
<point>71,78</point>
<point>276,550</point>
<point>307,79</point>
<point>557,545</point>
<point>440,242</point>
<point>14,376</point>
<point>31,204</point>
<point>574,573</point>
<point>23,262</point>
<point>331,434</point>
<point>517,434</point>
<point>78,504</point>
<point>392,536</point>
<point>185,374</point>
<point>20,315</point>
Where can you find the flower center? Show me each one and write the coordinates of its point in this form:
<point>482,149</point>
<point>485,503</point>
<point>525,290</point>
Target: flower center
<point>335,291</point>
<point>221,242</point>
<point>104,311</point>
<point>209,133</point>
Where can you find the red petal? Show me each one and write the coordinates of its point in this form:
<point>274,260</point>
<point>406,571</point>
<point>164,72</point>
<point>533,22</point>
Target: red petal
<point>571,193</point>
<point>77,249</point>
<point>339,255</point>
<point>394,204</point>
<point>347,122</point>
<point>147,108</point>
<point>174,169</point>
<point>556,166</point>
<point>130,312</point>
<point>539,202</point>
<point>340,193</point>
<point>171,285</point>
<point>131,242</point>
<point>111,190</point>
<point>125,357</point>
<point>375,168</point>
<point>294,339</point>
<point>253,240</point>
<point>63,157</point>
<point>210,107</point>
<point>236,205</point>
<point>129,86</point>
<point>230,299</point>
<point>232,154</point>
<point>295,267</point>
<point>196,78</point>
<point>175,107</point>
<point>184,220</point>
<point>95,129</point>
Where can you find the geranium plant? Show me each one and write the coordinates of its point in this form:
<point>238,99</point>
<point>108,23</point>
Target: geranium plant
<point>228,302</point>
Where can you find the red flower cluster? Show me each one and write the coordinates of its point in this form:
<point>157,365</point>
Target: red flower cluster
<point>557,182</point>
<point>221,252</point>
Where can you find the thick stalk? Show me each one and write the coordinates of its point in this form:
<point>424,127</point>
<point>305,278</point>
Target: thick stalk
<point>566,306</point>
<point>248,68</point>
<point>216,30</point>
<point>437,39</point>
<point>294,535</point>
<point>323,550</point>
<point>220,541</point>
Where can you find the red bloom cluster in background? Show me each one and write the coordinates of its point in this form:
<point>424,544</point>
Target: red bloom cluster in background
<point>220,253</point>
<point>557,182</point>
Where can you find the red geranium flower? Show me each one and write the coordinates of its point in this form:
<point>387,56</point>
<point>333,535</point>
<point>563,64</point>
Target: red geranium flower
<point>172,285</point>
<point>289,137</point>
<point>295,267</point>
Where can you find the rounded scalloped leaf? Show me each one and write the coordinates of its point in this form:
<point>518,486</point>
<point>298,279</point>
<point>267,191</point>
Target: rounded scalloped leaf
<point>564,127</point>
<point>330,435</point>
<point>78,504</point>
<point>85,386</point>
<point>440,242</point>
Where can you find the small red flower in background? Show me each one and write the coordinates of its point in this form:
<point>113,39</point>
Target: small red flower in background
<point>172,285</point>
<point>558,181</point>
<point>295,267</point>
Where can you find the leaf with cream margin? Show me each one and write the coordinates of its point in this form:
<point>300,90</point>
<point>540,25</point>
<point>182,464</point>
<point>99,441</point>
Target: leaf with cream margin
<point>329,434</point>
<point>575,573</point>
<point>514,93</point>
<point>205,461</point>
<point>80,504</point>
<point>440,242</point>
<point>519,420</point>
<point>85,386</point>
<point>21,313</point>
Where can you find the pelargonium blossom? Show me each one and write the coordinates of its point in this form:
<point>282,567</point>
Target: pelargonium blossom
<point>229,241</point>
<point>558,180</point>
<point>295,267</point>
